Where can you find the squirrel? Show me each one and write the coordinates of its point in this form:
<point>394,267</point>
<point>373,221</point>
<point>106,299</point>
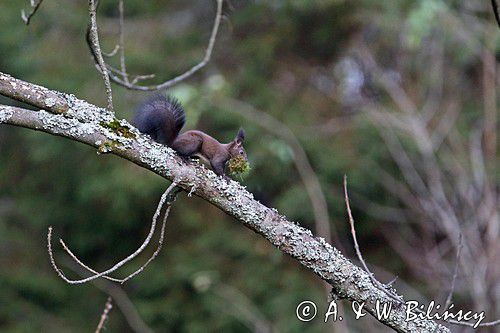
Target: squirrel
<point>162,118</point>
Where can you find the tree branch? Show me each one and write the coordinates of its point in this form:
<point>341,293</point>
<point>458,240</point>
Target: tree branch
<point>120,298</point>
<point>121,77</point>
<point>34,7</point>
<point>89,124</point>
<point>496,12</point>
<point>104,316</point>
<point>384,288</point>
<point>105,274</point>
<point>93,42</point>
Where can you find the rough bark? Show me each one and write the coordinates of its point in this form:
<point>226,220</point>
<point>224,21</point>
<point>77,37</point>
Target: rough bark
<point>96,127</point>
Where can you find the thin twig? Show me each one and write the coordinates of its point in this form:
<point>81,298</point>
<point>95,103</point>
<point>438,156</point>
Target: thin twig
<point>243,309</point>
<point>494,4</point>
<point>122,281</point>
<point>353,229</point>
<point>120,298</point>
<point>119,264</point>
<point>121,42</point>
<point>137,78</point>
<point>376,283</point>
<point>34,8</point>
<point>93,42</point>
<point>302,163</point>
<point>104,316</point>
<point>455,273</point>
<point>320,258</point>
<point>112,53</point>
<point>51,256</point>
<point>78,261</point>
<point>123,78</point>
<point>160,243</point>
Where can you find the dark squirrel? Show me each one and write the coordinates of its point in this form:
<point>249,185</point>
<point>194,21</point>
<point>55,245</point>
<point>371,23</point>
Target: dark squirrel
<point>162,118</point>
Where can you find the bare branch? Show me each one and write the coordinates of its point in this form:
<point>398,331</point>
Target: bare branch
<point>123,78</point>
<point>93,42</point>
<point>455,273</point>
<point>353,229</point>
<point>494,4</point>
<point>302,163</point>
<point>124,261</point>
<point>446,183</point>
<point>32,94</point>
<point>130,276</point>
<point>383,288</point>
<point>307,174</point>
<point>242,309</point>
<point>34,7</point>
<point>104,316</point>
<point>112,53</point>
<point>489,76</point>
<point>445,124</point>
<point>121,42</point>
<point>120,298</point>
<point>348,280</point>
<point>79,262</point>
<point>160,243</point>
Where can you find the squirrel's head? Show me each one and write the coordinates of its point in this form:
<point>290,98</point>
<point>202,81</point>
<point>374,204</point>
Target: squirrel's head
<point>236,146</point>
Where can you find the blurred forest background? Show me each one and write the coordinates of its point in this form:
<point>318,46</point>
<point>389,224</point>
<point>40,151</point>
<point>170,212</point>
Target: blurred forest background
<point>399,95</point>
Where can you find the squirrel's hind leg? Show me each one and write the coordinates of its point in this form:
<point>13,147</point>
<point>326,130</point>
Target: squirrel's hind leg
<point>187,146</point>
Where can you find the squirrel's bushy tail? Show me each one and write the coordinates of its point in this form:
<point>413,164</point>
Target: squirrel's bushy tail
<point>161,117</point>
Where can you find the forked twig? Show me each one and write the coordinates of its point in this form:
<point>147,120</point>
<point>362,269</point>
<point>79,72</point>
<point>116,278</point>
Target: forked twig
<point>121,76</point>
<point>105,273</point>
<point>34,7</point>
<point>122,281</point>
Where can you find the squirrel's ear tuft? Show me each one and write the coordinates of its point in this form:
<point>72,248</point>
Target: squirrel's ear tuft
<point>240,138</point>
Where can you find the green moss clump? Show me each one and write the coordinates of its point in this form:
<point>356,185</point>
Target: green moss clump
<point>108,146</point>
<point>118,128</point>
<point>239,166</point>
